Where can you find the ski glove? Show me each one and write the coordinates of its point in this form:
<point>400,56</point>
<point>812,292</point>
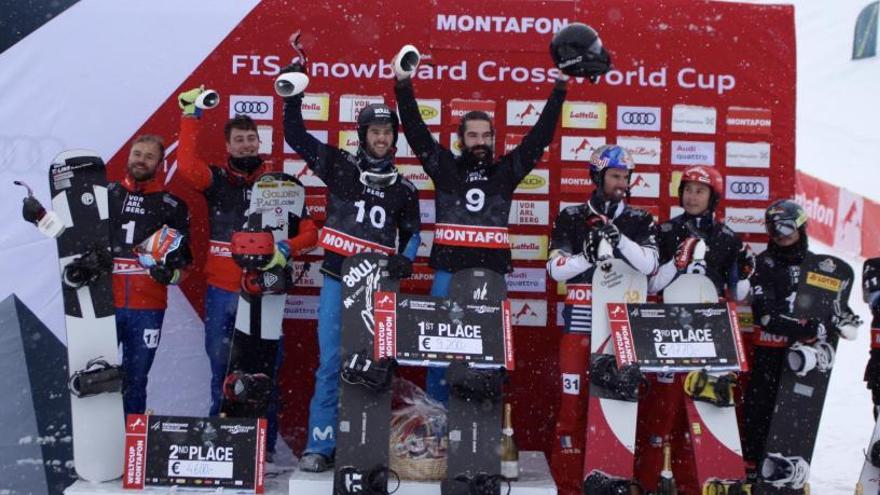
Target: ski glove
<point>192,102</point>
<point>399,266</point>
<point>745,262</point>
<point>165,275</point>
<point>684,255</point>
<point>847,324</point>
<point>591,245</point>
<point>610,233</point>
<point>281,256</point>
<point>292,80</point>
<point>405,62</point>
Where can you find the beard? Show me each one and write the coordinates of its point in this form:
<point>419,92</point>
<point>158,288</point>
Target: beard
<point>480,153</point>
<point>140,172</point>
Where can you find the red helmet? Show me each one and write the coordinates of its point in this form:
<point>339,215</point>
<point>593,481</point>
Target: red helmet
<point>703,175</point>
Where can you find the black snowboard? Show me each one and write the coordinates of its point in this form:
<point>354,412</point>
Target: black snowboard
<point>362,435</point>
<point>825,281</point>
<point>78,182</point>
<point>474,423</point>
<point>277,204</point>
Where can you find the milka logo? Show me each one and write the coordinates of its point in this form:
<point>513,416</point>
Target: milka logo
<point>357,273</point>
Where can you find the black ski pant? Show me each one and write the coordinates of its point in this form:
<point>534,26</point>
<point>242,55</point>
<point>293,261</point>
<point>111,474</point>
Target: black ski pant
<point>760,399</point>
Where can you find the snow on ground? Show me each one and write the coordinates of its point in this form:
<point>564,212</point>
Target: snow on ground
<point>847,422</point>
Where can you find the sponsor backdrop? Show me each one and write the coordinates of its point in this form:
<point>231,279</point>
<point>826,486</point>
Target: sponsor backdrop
<point>681,94</point>
<point>838,216</point>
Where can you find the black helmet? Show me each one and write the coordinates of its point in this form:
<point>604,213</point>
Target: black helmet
<point>784,217</point>
<point>577,51</point>
<point>376,113</point>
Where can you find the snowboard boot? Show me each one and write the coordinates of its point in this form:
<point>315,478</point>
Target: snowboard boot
<point>785,472</point>
<point>726,487</point>
<point>88,268</point>
<point>246,387</point>
<point>315,463</point>
<point>717,390</point>
<point>481,484</point>
<point>475,384</point>
<point>597,483</point>
<point>623,382</point>
<point>803,358</point>
<point>98,377</point>
<point>375,375</point>
<point>372,482</point>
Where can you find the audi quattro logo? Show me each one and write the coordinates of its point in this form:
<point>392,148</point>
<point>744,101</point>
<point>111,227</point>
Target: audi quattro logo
<point>255,107</point>
<point>754,188</point>
<point>638,118</point>
<point>747,187</point>
<point>642,118</point>
<point>251,107</point>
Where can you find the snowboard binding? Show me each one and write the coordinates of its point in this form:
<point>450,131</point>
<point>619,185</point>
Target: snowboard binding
<point>481,484</point>
<point>726,487</point>
<point>598,483</point>
<point>475,384</point>
<point>717,390</point>
<point>803,358</point>
<point>98,377</point>
<point>375,375</point>
<point>350,480</point>
<point>623,382</point>
<point>88,268</point>
<point>785,472</point>
<point>247,388</point>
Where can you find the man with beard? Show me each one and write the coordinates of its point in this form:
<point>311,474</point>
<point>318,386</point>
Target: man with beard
<point>574,244</point>
<point>227,190</point>
<point>473,191</point>
<point>141,209</point>
<point>371,208</point>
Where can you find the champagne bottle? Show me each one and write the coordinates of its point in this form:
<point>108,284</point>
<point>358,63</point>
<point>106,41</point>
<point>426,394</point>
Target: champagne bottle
<point>509,452</point>
<point>667,480</point>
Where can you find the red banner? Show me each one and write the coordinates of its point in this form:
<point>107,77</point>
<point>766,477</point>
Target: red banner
<point>496,52</point>
<point>820,200</point>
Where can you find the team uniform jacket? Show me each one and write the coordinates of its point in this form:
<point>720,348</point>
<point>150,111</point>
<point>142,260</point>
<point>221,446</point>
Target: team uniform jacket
<point>722,245</point>
<point>638,247</point>
<point>228,196</point>
<point>774,288</point>
<point>137,210</point>
<point>359,218</point>
<point>473,202</point>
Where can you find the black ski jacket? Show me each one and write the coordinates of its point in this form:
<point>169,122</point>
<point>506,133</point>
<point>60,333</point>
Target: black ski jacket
<point>473,199</point>
<point>359,218</point>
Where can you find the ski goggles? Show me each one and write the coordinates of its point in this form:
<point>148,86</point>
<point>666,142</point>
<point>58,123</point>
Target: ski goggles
<point>782,228</point>
<point>378,179</point>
